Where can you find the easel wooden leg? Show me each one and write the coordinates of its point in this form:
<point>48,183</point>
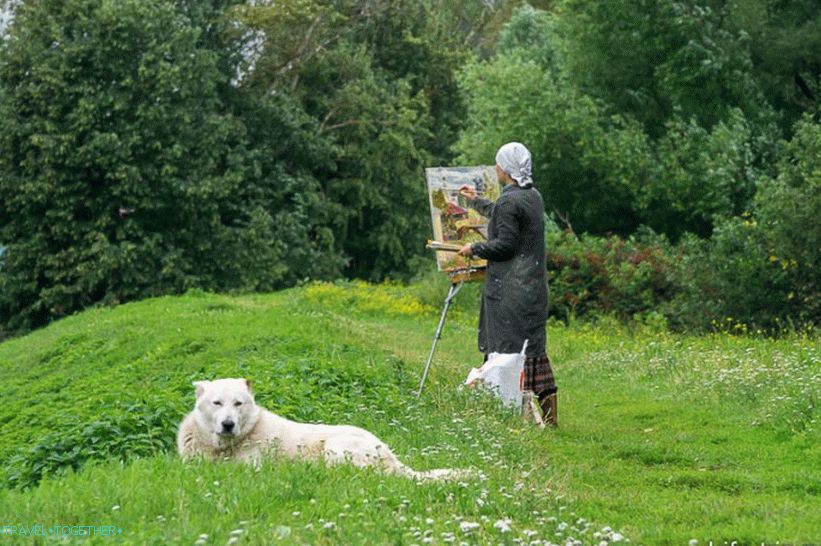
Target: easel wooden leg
<point>454,289</point>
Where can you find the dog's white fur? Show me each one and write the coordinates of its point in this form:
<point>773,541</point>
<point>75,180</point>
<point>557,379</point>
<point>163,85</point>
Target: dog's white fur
<point>227,423</point>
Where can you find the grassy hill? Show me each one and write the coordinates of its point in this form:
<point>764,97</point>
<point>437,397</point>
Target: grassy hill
<point>662,439</point>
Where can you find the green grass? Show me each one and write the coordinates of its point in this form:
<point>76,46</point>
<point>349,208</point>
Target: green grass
<point>663,438</point>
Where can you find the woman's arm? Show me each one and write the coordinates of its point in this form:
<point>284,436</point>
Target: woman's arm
<point>479,204</point>
<point>482,206</point>
<point>503,246</point>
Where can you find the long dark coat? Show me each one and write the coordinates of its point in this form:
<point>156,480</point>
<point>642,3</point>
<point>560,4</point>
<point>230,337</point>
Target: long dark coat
<point>514,297</point>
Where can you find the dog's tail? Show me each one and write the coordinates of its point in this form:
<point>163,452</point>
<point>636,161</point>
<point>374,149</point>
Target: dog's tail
<point>444,474</point>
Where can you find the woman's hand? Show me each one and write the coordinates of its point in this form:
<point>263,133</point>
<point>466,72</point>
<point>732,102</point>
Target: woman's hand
<point>468,192</point>
<point>466,251</point>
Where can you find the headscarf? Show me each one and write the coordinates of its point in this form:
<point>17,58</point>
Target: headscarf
<point>514,159</point>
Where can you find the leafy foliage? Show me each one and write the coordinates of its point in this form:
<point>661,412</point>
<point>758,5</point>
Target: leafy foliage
<point>609,276</point>
<point>151,147</point>
<point>584,162</point>
<point>650,59</point>
<point>127,173</point>
<point>126,433</point>
<point>760,269</point>
<point>378,79</point>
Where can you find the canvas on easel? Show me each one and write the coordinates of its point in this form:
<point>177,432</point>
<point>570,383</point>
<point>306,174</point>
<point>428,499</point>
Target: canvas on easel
<point>453,221</point>
<point>455,224</point>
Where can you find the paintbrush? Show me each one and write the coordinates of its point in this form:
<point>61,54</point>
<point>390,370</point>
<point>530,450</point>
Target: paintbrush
<point>439,245</point>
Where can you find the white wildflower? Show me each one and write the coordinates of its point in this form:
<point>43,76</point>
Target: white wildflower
<point>503,525</point>
<point>468,526</point>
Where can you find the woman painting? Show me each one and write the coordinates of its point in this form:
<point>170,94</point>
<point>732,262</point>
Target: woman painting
<point>514,299</point>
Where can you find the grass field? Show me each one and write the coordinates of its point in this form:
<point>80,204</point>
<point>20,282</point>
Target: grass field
<point>663,439</point>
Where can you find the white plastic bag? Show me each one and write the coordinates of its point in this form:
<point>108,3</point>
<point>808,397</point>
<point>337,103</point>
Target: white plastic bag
<point>502,373</point>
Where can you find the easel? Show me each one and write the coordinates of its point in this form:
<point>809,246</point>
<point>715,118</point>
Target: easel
<point>457,280</point>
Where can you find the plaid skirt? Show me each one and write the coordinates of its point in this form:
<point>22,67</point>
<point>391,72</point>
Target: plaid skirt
<point>538,375</point>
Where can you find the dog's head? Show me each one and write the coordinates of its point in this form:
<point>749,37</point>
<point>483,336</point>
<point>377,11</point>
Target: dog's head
<point>225,409</point>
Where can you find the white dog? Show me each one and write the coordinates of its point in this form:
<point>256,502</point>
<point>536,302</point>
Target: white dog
<point>227,423</point>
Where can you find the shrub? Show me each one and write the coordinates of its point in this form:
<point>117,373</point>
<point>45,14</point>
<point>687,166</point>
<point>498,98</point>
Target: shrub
<point>130,431</point>
<point>725,280</point>
<point>759,271</point>
<point>608,275</point>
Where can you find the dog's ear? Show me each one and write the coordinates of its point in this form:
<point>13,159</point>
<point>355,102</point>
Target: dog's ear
<point>200,386</point>
<point>248,384</point>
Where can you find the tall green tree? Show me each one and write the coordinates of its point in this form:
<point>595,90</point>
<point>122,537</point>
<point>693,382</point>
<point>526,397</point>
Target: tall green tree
<point>379,79</point>
<point>785,50</point>
<point>126,173</point>
<point>654,58</point>
<point>587,164</point>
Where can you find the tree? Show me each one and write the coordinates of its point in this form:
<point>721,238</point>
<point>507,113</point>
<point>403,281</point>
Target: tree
<point>587,164</point>
<point>378,78</point>
<point>790,228</point>
<point>653,58</point>
<point>785,50</point>
<point>702,177</point>
<point>126,173</point>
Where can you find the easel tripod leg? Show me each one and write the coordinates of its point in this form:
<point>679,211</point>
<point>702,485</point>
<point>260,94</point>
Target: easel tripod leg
<point>454,289</point>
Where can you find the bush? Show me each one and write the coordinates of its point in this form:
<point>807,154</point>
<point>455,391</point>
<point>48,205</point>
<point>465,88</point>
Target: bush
<point>131,430</point>
<point>725,282</point>
<point>597,276</point>
<point>759,271</point>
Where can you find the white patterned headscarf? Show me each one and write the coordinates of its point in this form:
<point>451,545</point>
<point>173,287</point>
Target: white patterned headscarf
<point>514,159</point>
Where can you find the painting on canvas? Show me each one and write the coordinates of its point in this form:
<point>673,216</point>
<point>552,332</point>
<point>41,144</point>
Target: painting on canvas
<point>454,221</point>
